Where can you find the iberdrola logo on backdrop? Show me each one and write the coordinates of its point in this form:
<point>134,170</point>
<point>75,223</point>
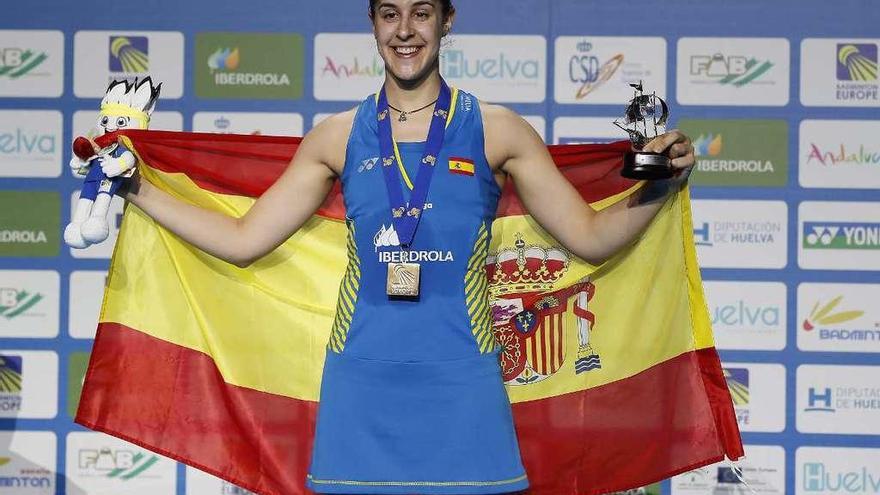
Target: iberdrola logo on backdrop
<point>249,65</point>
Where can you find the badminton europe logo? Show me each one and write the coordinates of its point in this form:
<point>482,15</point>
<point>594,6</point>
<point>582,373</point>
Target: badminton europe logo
<point>857,72</point>
<point>738,385</point>
<point>10,384</point>
<point>129,54</point>
<point>856,62</point>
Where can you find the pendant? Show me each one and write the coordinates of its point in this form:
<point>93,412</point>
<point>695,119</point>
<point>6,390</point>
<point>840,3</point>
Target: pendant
<point>403,280</point>
<point>402,117</point>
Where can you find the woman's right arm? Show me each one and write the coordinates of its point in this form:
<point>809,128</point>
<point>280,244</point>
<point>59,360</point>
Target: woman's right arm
<point>274,217</point>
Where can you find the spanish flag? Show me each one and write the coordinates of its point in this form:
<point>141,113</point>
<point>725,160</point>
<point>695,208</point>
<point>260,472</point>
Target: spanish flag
<point>462,166</point>
<point>611,370</point>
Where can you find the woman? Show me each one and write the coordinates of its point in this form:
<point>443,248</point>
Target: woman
<point>412,398</point>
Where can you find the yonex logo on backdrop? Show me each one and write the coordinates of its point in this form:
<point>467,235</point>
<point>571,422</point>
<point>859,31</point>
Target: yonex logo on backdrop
<point>841,235</point>
<point>734,70</point>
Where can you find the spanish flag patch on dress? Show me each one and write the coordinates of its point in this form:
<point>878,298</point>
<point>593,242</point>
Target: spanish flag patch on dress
<point>461,166</point>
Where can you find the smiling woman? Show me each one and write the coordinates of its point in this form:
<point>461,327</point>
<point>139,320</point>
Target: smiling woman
<point>412,397</point>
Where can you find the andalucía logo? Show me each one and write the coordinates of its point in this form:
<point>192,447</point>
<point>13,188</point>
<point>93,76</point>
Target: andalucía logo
<point>249,65</point>
<point>17,62</point>
<point>129,54</point>
<point>843,156</point>
<point>356,68</point>
<point>587,70</point>
<point>115,464</point>
<point>841,235</point>
<point>732,70</point>
<point>15,302</point>
<point>856,62</point>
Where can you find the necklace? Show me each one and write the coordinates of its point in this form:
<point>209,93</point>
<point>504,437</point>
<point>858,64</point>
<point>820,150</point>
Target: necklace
<point>404,113</point>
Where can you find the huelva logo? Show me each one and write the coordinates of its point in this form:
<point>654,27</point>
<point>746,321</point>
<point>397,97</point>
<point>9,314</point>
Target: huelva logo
<point>822,314</point>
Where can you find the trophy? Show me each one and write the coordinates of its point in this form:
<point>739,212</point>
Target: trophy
<point>644,111</point>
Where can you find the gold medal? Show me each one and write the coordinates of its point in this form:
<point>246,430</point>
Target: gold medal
<point>403,280</point>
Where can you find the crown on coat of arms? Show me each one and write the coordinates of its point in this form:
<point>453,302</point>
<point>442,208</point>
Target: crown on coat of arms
<point>525,268</point>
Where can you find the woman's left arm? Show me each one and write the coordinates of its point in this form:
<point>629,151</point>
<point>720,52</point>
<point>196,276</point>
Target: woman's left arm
<point>553,202</point>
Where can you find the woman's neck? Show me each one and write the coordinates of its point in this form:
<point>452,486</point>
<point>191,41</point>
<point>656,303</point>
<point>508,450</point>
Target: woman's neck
<point>408,95</point>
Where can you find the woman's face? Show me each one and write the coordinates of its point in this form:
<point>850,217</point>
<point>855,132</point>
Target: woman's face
<point>408,34</point>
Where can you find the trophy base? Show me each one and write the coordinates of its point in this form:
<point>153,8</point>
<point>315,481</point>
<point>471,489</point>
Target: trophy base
<point>643,165</point>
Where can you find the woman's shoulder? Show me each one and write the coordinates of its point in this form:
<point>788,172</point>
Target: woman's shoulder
<point>329,138</point>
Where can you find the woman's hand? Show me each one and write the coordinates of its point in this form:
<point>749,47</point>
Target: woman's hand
<point>677,146</point>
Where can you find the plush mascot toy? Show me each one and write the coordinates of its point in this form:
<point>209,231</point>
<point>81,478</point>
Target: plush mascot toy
<point>125,106</point>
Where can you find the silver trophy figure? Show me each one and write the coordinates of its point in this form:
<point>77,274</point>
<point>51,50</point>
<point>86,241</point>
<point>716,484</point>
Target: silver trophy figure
<point>645,112</point>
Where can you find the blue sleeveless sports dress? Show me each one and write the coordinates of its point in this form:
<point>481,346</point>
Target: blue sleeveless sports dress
<point>412,399</point>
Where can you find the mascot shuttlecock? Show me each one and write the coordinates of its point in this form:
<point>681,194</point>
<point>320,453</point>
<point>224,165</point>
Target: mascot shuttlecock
<point>126,105</point>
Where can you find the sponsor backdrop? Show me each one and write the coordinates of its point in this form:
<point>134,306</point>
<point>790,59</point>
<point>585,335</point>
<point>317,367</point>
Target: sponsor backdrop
<point>780,98</point>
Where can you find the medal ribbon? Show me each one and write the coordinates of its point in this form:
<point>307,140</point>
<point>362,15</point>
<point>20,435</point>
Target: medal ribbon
<point>405,216</point>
